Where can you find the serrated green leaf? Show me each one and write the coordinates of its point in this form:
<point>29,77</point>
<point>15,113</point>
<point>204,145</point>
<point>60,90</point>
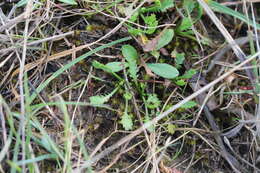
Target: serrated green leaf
<point>134,16</point>
<point>126,121</point>
<point>171,128</point>
<point>150,21</point>
<point>70,2</point>
<point>153,101</point>
<point>101,99</point>
<point>165,38</point>
<point>134,31</point>
<point>130,54</point>
<point>186,24</point>
<point>189,104</point>
<point>116,66</point>
<point>163,70</point>
<point>98,100</point>
<point>159,6</point>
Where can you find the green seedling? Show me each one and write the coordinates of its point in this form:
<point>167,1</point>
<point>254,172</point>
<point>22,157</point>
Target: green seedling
<point>185,27</point>
<point>127,119</point>
<point>101,99</point>
<point>131,56</point>
<point>150,21</point>
<point>153,101</point>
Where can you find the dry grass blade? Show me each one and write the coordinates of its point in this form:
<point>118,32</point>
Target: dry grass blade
<point>28,11</point>
<point>13,22</point>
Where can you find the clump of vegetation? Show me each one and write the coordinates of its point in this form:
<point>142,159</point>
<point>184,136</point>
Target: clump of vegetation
<point>120,86</point>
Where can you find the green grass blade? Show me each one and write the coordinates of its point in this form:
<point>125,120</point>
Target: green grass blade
<point>39,106</point>
<point>225,10</point>
<point>45,136</point>
<point>5,148</point>
<point>67,137</point>
<point>37,159</point>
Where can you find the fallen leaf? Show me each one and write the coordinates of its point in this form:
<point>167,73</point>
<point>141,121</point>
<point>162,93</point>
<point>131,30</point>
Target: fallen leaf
<point>148,71</point>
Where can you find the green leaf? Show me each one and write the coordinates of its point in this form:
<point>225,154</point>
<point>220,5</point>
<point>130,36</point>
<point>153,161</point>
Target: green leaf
<point>101,99</point>
<point>164,70</point>
<point>37,159</point>
<point>126,121</point>
<point>189,5</point>
<point>165,38</point>
<point>130,54</point>
<point>98,100</point>
<point>153,101</point>
<point>134,31</point>
<point>188,74</point>
<point>186,24</point>
<point>155,53</point>
<point>101,66</point>
<point>171,128</point>
<point>70,2</point>
<point>106,68</point>
<point>153,8</point>
<point>179,58</point>
<point>166,4</point>
<point>189,104</point>
<point>116,66</point>
<point>128,95</point>
<point>150,21</point>
<point>134,16</point>
<point>181,82</point>
<point>22,3</point>
<point>160,5</point>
